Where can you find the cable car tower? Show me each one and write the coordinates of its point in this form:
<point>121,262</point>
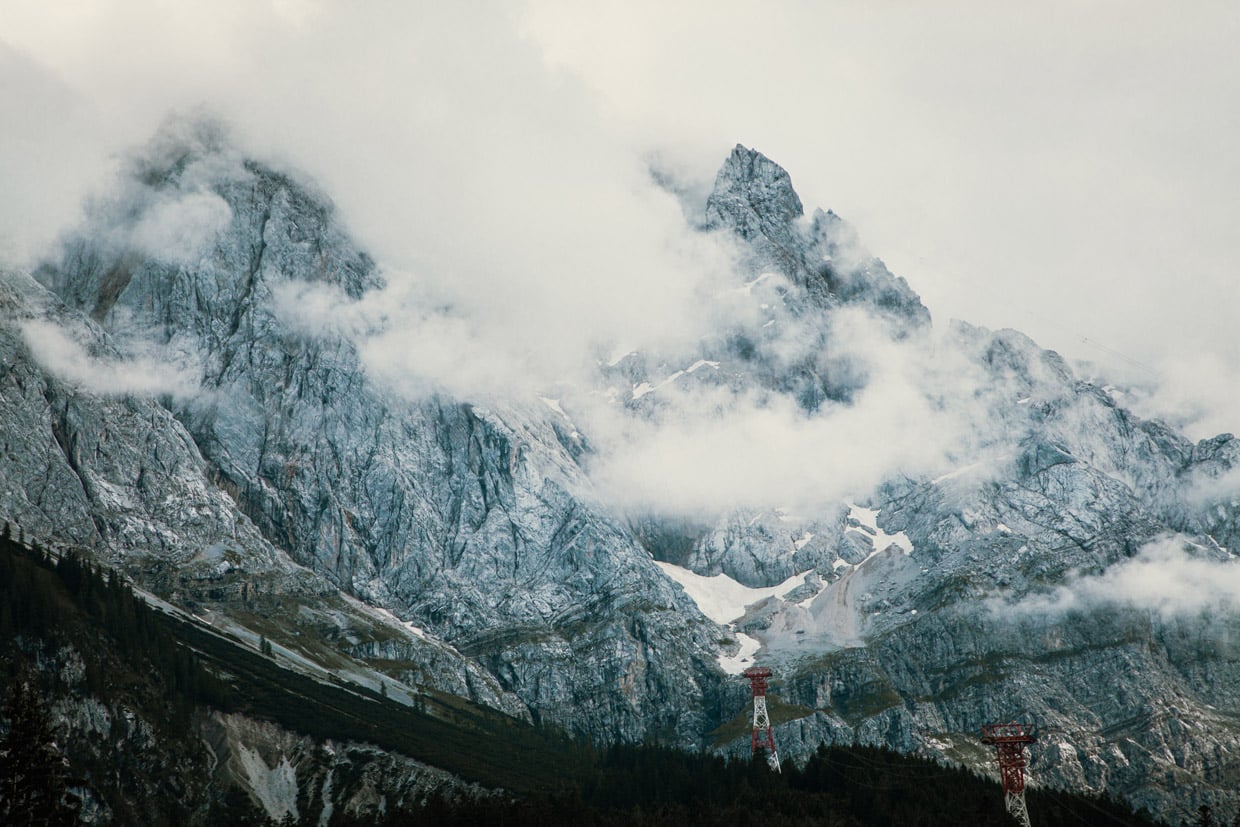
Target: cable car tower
<point>1009,741</point>
<point>763,738</point>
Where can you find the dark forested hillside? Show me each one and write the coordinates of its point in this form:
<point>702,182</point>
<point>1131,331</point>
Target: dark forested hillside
<point>111,693</point>
<point>132,687</point>
<point>106,698</point>
<point>838,787</point>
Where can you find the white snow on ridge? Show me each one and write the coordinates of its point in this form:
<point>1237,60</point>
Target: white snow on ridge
<point>618,356</point>
<point>743,659</point>
<point>721,598</point>
<point>959,472</point>
<point>644,388</point>
<point>748,286</point>
<point>868,519</point>
<point>392,620</point>
<point>554,404</point>
<point>724,600</point>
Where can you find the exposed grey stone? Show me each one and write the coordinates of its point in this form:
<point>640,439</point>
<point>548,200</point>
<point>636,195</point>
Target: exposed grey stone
<point>290,474</point>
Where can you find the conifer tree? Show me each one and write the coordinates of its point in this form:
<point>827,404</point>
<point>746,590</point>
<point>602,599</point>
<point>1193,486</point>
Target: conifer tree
<point>33,775</point>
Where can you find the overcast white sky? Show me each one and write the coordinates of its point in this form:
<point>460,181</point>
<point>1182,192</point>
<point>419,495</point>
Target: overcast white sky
<point>1066,168</point>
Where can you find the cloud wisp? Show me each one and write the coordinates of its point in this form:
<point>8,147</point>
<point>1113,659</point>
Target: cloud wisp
<point>495,164</point>
<point>1024,167</point>
<point>1169,577</point>
<point>701,448</point>
<point>712,447</point>
<point>147,372</point>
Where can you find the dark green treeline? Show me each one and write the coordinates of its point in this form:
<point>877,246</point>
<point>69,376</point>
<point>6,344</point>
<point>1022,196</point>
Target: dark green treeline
<point>134,654</point>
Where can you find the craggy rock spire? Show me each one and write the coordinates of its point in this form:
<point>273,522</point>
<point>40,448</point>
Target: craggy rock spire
<point>753,196</point>
<point>480,527</point>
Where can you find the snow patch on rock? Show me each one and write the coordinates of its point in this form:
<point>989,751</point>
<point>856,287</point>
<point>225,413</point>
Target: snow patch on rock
<point>721,598</point>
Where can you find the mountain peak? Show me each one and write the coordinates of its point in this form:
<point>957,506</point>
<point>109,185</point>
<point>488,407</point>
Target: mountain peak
<point>196,232</point>
<point>181,140</point>
<point>751,194</point>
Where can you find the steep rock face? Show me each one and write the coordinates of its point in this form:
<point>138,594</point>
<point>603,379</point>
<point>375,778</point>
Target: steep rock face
<point>802,273</point>
<point>476,524</point>
<point>768,547</point>
<point>753,197</point>
<point>934,605</point>
<point>1208,498</point>
<point>118,475</point>
<point>1119,707</point>
<point>856,277</point>
<point>121,477</point>
<point>39,484</point>
<point>982,621</point>
<point>974,615</point>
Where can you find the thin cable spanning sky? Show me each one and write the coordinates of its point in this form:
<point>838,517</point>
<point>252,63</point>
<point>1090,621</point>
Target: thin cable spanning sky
<point>1067,169</point>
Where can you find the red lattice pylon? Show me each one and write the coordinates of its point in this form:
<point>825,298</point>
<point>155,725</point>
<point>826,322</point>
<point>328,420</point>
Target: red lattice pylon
<point>1009,741</point>
<point>763,737</point>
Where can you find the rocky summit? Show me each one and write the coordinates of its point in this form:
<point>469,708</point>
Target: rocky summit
<point>162,408</point>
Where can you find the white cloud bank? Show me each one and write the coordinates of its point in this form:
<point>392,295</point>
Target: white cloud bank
<point>454,154</point>
<point>711,448</point>
<point>181,227</point>
<point>493,162</point>
<point>1043,167</point>
<point>1197,391</point>
<point>144,374</point>
<point>1165,577</point>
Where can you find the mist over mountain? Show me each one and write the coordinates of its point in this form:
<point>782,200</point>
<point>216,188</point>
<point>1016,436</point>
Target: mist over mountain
<point>1030,168</point>
<point>595,509</point>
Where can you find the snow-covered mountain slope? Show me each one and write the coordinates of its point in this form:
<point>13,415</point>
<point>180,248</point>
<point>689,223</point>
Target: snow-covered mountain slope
<point>955,535</point>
